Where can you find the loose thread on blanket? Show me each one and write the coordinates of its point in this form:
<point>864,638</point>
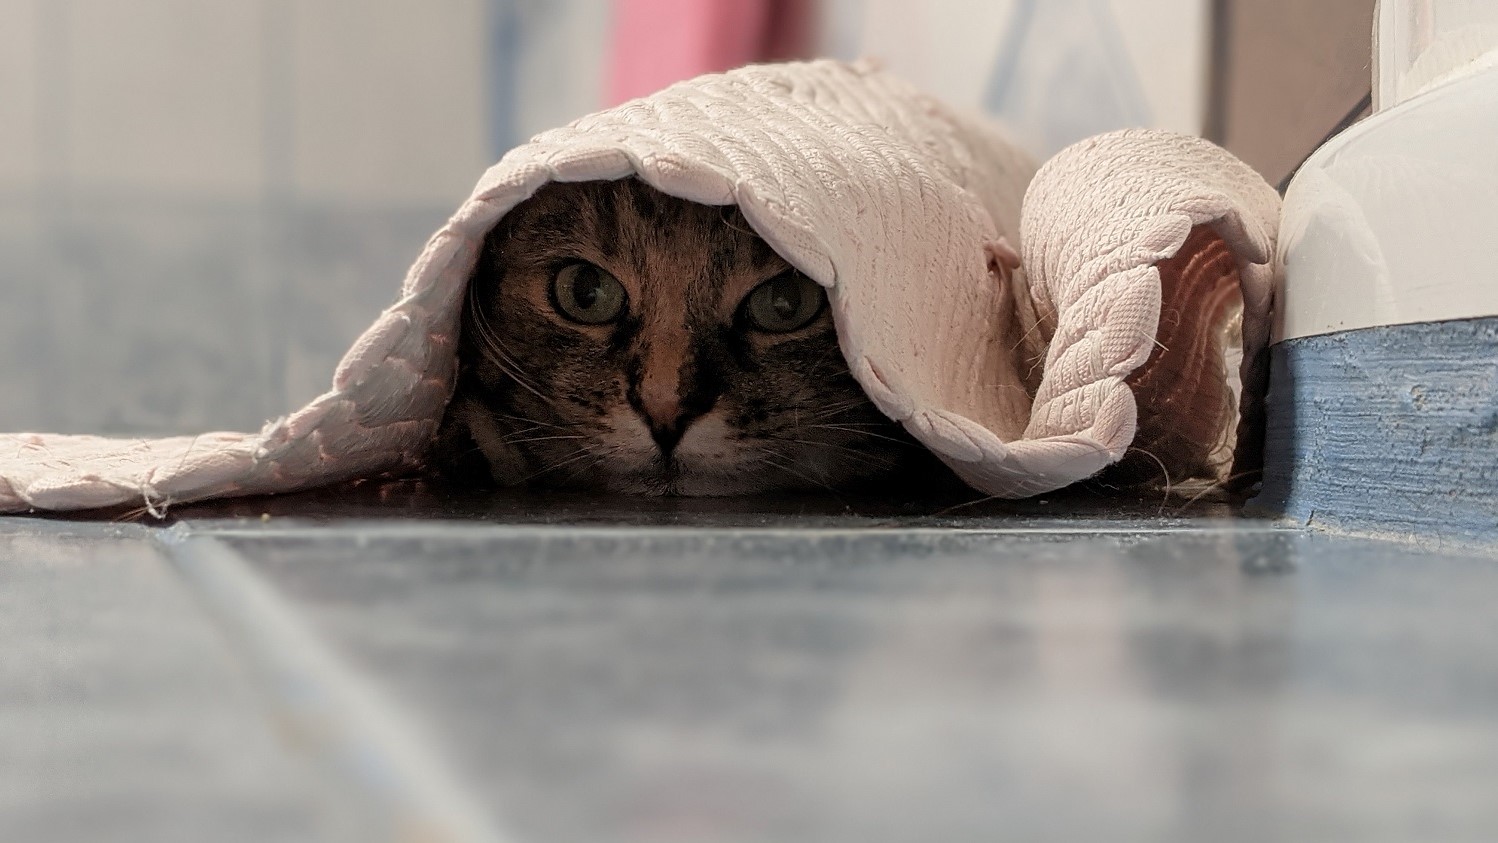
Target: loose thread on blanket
<point>157,509</point>
<point>132,515</point>
<point>155,504</point>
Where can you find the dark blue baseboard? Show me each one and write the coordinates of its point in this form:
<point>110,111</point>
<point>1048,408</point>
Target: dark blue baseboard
<point>1389,431</point>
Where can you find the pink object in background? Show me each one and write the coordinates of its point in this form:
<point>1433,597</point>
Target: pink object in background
<point>658,42</point>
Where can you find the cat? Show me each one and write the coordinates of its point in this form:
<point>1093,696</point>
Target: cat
<point>619,339</point>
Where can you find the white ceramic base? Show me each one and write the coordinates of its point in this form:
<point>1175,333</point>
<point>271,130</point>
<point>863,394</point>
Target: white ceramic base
<point>1393,222</point>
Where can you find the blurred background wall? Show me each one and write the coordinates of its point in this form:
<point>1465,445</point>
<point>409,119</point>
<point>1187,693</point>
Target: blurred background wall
<point>1054,70</point>
<point>1285,72</point>
<point>202,202</point>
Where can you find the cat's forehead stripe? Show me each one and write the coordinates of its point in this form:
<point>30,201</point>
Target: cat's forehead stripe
<point>604,216</point>
<point>644,199</point>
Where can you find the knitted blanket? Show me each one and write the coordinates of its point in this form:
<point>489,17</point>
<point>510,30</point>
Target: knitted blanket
<point>1011,320</point>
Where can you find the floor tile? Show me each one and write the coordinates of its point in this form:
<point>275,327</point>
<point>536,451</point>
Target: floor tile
<point>123,715</point>
<point>864,682</point>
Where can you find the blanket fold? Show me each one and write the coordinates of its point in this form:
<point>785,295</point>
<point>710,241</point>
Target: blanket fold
<point>1007,318</point>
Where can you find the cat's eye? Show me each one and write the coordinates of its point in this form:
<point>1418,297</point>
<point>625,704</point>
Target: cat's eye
<point>785,303</point>
<point>585,293</point>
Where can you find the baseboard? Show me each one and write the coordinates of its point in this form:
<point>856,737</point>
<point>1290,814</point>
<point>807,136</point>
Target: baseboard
<point>1388,431</point>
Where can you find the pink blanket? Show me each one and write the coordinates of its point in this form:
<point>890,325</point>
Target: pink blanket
<point>1018,367</point>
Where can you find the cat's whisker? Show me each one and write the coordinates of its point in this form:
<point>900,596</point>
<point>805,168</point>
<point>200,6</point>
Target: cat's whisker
<point>1026,335</point>
<point>476,449</point>
<point>846,402</point>
<point>600,457</point>
<point>853,430</point>
<point>550,467</point>
<point>533,439</point>
<point>1164,472</point>
<point>513,374</point>
<point>499,354</point>
<point>580,454</point>
<point>502,360</point>
<point>965,504</point>
<point>864,457</point>
<point>821,443</point>
<point>828,353</point>
<point>774,460</point>
<point>536,422</point>
<point>522,431</point>
<point>1214,487</point>
<point>839,408</point>
<point>831,415</point>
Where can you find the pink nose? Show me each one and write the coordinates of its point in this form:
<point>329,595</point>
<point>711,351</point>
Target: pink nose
<point>661,401</point>
<point>660,404</point>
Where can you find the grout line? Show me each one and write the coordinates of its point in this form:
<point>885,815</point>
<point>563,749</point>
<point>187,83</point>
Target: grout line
<point>371,751</point>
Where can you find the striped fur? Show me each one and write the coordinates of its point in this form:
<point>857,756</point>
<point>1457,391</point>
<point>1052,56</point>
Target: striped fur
<point>543,400</point>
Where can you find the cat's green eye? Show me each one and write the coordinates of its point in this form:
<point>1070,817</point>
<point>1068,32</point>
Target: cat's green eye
<point>585,293</point>
<point>785,303</point>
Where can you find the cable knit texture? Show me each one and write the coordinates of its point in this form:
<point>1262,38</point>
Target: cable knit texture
<point>903,209</point>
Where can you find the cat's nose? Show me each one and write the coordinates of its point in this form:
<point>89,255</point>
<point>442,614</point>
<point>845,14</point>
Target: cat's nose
<point>666,437</point>
<point>661,407</point>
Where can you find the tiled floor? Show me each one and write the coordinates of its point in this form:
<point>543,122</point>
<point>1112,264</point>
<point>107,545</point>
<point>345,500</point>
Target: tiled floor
<point>404,666</point>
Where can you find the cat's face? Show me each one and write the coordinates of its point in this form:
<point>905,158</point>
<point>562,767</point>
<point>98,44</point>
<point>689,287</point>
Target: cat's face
<point>617,338</point>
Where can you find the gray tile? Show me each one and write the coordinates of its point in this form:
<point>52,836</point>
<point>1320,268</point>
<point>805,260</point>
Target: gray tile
<point>28,356</point>
<point>867,683</point>
<point>149,315</point>
<point>122,716</point>
<point>158,317</point>
<point>339,268</point>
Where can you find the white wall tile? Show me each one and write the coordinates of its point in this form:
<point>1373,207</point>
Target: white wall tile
<point>165,95</point>
<point>563,58</point>
<point>391,99</point>
<point>1168,42</point>
<point>947,47</point>
<point>19,164</point>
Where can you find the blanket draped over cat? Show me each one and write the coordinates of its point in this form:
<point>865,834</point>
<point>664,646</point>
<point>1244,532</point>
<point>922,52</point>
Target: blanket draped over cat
<point>1030,328</point>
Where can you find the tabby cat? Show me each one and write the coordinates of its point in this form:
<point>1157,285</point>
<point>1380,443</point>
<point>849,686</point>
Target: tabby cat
<point>616,338</point>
